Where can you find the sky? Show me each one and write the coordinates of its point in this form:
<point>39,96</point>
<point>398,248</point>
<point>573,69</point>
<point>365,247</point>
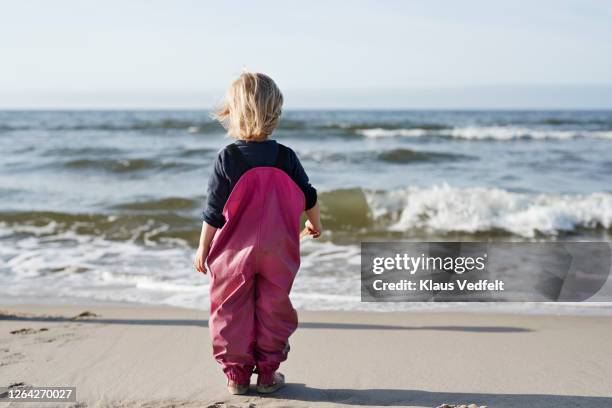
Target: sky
<point>323,54</point>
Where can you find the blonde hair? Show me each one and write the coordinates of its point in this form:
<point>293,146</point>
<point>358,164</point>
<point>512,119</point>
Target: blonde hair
<point>252,107</point>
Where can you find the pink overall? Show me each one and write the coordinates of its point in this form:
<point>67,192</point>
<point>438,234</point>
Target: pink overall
<point>253,261</point>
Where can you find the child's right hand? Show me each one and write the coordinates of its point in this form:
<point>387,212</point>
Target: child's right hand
<point>200,259</point>
<point>313,230</point>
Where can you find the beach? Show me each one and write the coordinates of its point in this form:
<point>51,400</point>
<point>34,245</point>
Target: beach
<point>448,164</point>
<point>135,355</point>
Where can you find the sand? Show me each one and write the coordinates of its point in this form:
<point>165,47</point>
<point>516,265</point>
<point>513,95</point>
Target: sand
<point>137,356</point>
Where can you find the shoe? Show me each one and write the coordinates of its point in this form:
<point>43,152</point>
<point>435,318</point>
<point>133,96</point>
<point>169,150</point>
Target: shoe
<point>237,389</point>
<point>279,381</point>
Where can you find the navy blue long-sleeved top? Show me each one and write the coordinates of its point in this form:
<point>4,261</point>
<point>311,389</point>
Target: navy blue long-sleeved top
<point>225,174</point>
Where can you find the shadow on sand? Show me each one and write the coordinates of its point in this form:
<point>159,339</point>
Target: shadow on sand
<point>405,398</point>
<point>303,325</point>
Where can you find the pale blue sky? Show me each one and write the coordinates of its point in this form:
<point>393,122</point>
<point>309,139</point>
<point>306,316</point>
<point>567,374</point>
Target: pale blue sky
<point>376,54</point>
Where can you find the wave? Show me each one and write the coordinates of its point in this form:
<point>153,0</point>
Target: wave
<point>196,152</point>
<point>402,155</point>
<point>381,132</point>
<point>113,151</point>
<point>83,151</point>
<point>445,209</point>
<point>396,156</point>
<point>441,211</point>
<point>205,126</point>
<point>126,165</point>
<point>487,133</point>
<point>526,128</point>
<point>388,126</point>
<point>349,215</point>
<point>569,121</point>
<point>164,204</point>
<point>143,227</point>
<point>119,125</point>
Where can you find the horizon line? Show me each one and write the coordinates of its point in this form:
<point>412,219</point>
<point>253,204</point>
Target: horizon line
<point>310,109</point>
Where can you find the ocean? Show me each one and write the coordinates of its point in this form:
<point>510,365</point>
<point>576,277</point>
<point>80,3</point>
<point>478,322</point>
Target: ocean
<point>105,205</point>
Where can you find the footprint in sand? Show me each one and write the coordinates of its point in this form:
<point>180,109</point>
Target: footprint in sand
<point>85,315</point>
<point>17,384</point>
<point>13,358</point>
<point>29,331</point>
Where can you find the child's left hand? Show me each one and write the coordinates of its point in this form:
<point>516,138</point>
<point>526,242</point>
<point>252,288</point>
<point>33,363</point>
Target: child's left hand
<point>311,230</point>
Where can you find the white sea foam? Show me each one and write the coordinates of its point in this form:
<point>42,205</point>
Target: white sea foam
<point>329,279</point>
<point>449,209</point>
<point>487,132</point>
<point>380,133</point>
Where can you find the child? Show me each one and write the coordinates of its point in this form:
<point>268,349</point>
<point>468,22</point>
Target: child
<point>250,237</point>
